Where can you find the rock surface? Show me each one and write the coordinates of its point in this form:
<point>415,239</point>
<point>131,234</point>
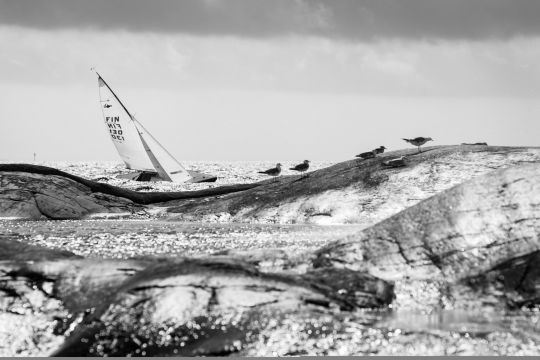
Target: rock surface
<point>194,306</point>
<point>39,192</point>
<point>356,191</point>
<point>474,246</point>
<point>37,196</point>
<point>481,235</point>
<point>463,231</point>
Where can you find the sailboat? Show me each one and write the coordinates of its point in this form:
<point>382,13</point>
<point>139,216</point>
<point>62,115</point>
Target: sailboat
<point>138,149</point>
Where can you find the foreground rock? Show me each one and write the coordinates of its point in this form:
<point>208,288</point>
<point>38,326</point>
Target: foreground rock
<point>481,235</point>
<point>162,306</point>
<point>356,191</point>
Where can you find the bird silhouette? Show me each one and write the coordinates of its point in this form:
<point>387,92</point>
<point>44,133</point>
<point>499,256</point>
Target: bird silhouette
<point>379,150</point>
<point>478,143</point>
<point>419,141</point>
<point>273,171</point>
<point>397,162</point>
<point>367,155</point>
<point>301,167</point>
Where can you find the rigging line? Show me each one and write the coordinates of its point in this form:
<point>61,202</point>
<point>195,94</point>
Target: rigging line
<point>160,170</point>
<point>157,142</point>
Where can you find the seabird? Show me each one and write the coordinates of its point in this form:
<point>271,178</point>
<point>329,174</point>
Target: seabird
<point>379,150</point>
<point>419,141</point>
<point>478,143</point>
<point>397,162</point>
<point>301,167</point>
<point>367,155</point>
<point>273,171</point>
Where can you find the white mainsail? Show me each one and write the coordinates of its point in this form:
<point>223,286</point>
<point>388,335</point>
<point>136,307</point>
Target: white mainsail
<point>137,147</point>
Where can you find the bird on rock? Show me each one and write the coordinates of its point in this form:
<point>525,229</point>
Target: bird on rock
<point>367,155</point>
<point>301,167</point>
<point>397,162</point>
<point>273,171</point>
<point>379,150</point>
<point>419,141</point>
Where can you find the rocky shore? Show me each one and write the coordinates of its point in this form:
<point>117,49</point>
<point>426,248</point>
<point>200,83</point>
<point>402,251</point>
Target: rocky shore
<point>356,191</point>
<point>456,229</point>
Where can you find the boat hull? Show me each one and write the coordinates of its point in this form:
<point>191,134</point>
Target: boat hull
<point>196,177</point>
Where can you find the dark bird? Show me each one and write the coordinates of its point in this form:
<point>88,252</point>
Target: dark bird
<point>367,155</point>
<point>478,143</point>
<point>397,162</point>
<point>273,171</point>
<point>379,150</point>
<point>301,167</point>
<point>419,141</point>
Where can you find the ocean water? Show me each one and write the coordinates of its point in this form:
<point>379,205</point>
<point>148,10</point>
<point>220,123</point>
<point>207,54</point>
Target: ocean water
<point>385,332</point>
<point>128,238</point>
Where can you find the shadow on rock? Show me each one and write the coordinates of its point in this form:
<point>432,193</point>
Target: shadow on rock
<point>200,307</point>
<point>159,306</point>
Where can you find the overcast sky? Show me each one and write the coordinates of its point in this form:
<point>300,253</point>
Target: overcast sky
<point>268,80</point>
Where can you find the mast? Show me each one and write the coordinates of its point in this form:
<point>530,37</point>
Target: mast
<point>114,94</point>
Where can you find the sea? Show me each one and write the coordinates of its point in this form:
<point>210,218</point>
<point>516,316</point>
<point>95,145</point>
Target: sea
<point>382,332</point>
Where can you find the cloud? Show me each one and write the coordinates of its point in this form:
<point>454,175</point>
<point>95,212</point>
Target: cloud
<point>356,20</point>
<point>292,64</point>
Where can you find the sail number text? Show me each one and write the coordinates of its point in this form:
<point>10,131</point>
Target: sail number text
<point>113,123</point>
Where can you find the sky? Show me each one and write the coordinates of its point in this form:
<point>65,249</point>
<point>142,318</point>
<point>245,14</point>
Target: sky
<point>232,80</point>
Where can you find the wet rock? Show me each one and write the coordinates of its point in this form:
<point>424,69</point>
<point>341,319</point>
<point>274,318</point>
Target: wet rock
<point>163,306</point>
<point>192,307</point>
<point>28,317</point>
<point>514,284</point>
<point>43,292</point>
<point>360,290</point>
<point>468,237</point>
<point>79,283</point>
